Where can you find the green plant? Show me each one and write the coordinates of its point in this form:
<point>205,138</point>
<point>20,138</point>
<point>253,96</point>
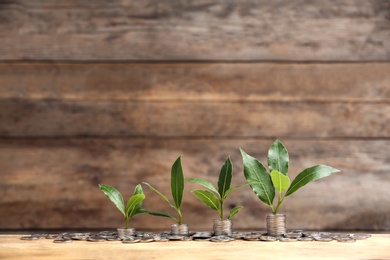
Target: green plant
<point>133,206</point>
<point>215,198</point>
<point>264,184</point>
<point>177,188</point>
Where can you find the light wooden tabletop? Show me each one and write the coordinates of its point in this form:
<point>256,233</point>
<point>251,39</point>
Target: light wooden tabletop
<point>375,247</point>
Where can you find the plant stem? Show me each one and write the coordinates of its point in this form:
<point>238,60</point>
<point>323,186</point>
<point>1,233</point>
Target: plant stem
<point>280,200</point>
<point>180,216</point>
<point>127,222</point>
<point>221,209</point>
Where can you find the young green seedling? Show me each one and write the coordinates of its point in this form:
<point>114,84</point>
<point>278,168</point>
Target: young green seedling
<point>133,206</point>
<point>264,184</point>
<point>215,198</point>
<point>177,188</point>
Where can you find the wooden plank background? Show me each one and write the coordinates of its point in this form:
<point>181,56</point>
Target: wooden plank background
<point>113,92</point>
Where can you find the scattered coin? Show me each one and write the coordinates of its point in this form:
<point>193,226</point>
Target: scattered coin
<point>252,237</point>
<point>29,238</point>
<point>62,240</point>
<point>268,238</point>
<point>323,239</point>
<point>305,239</point>
<point>95,239</point>
<point>286,239</point>
<point>293,235</point>
<point>221,238</point>
<point>175,238</point>
<point>360,236</point>
<point>201,235</point>
<point>131,240</point>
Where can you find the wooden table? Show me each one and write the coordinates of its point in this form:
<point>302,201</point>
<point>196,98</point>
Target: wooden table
<point>376,247</point>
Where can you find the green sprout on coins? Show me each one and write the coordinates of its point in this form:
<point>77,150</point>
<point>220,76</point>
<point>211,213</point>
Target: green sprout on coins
<point>177,188</point>
<point>264,184</point>
<point>213,197</point>
<point>133,206</point>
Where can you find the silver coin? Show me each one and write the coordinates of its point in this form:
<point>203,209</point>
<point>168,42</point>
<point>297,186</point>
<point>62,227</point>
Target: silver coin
<point>175,238</point>
<point>29,238</point>
<point>221,238</point>
<point>268,238</point>
<point>95,239</point>
<point>62,240</point>
<point>252,237</point>
<point>323,239</point>
<point>305,239</point>
<point>147,239</point>
<point>131,240</point>
<point>52,236</point>
<point>293,235</point>
<point>286,239</point>
<point>202,235</point>
<point>39,235</point>
<point>360,236</point>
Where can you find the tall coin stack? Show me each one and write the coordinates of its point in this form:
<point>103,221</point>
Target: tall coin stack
<point>276,225</point>
<point>222,227</point>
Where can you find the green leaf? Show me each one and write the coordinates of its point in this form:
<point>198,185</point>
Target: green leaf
<point>258,178</point>
<point>278,158</point>
<point>177,182</point>
<point>161,195</point>
<point>310,174</point>
<point>158,214</point>
<point>281,182</point>
<point>225,177</point>
<point>232,189</point>
<point>131,207</point>
<point>138,190</point>
<point>234,211</point>
<point>204,183</point>
<point>115,196</point>
<point>207,198</point>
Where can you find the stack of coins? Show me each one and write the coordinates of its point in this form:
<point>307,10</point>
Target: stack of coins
<point>122,232</point>
<point>276,225</point>
<point>222,227</point>
<point>179,230</point>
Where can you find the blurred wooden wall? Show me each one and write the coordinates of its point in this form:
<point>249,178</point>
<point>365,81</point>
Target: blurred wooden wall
<point>114,91</point>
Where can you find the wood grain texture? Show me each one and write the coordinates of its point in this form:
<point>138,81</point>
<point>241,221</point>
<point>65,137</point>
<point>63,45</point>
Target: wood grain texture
<point>376,247</point>
<point>357,30</point>
<point>55,181</point>
<point>366,82</point>
<point>22,118</point>
<point>12,247</point>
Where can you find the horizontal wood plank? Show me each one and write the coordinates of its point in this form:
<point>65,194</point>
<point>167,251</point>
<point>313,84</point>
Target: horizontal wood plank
<point>355,30</point>
<point>51,118</point>
<point>367,82</point>
<point>11,247</point>
<point>55,181</point>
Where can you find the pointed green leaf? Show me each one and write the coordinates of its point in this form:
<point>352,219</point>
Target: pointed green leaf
<point>258,178</point>
<point>161,195</point>
<point>114,195</point>
<point>204,183</point>
<point>310,174</point>
<point>158,214</point>
<point>278,158</point>
<point>207,198</point>
<point>177,182</point>
<point>234,211</point>
<point>233,188</point>
<point>281,182</point>
<point>131,207</point>
<point>138,190</point>
<point>225,177</point>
